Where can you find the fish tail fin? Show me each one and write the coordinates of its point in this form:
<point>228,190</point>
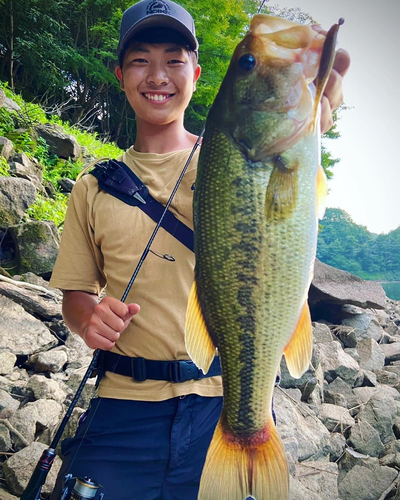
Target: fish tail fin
<point>298,352</point>
<point>234,472</point>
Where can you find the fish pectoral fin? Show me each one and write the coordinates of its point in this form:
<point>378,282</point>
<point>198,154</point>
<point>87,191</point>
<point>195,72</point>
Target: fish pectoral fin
<point>199,344</point>
<point>282,192</point>
<point>322,192</point>
<point>234,471</point>
<point>299,349</point>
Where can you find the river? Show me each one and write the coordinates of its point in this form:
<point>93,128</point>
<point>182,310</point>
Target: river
<point>392,289</point>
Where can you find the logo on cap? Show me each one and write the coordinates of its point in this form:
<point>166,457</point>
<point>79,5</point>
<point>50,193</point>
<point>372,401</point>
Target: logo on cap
<point>158,7</point>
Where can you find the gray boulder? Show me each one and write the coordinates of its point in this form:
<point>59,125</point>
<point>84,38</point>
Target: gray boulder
<point>7,362</point>
<point>21,166</point>
<point>366,483</point>
<point>391,351</point>
<point>6,147</point>
<point>5,439</point>
<point>16,196</point>
<point>41,387</point>
<point>336,363</point>
<point>321,333</point>
<point>340,393</point>
<point>362,324</point>
<point>333,286</point>
<point>335,418</point>
<point>11,106</point>
<point>49,361</point>
<point>365,439</point>
<point>314,481</point>
<point>38,243</point>
<point>18,469</point>
<point>61,144</point>
<point>371,355</point>
<point>21,333</point>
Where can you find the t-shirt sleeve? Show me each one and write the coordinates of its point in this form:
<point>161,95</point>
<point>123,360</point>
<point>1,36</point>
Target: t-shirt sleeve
<point>79,263</point>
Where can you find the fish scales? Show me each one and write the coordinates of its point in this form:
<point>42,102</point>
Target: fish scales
<point>257,195</point>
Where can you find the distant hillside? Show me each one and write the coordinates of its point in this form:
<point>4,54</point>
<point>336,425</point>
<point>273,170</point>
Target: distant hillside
<point>344,244</point>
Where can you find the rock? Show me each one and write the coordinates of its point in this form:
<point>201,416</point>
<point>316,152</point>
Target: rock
<point>5,495</point>
<point>49,361</point>
<point>351,351</point>
<point>7,362</point>
<point>336,363</point>
<point>78,351</point>
<point>18,469</point>
<point>43,388</point>
<point>365,439</point>
<point>366,483</point>
<point>21,333</point>
<point>362,324</point>
<point>21,166</point>
<point>307,436</point>
<point>380,412</point>
<point>318,478</point>
<point>44,307</point>
<point>391,351</point>
<point>66,185</point>
<point>2,97</point>
<point>11,106</point>
<point>388,378</point>
<point>333,286</point>
<point>337,444</point>
<point>340,393</point>
<point>6,148</point>
<point>371,355</point>
<point>89,389</point>
<point>7,402</point>
<point>321,333</point>
<point>16,196</point>
<point>61,144</point>
<point>335,418</point>
<point>38,243</point>
<point>5,439</point>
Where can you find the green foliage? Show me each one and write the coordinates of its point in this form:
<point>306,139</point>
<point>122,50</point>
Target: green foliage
<point>345,245</point>
<point>4,167</point>
<point>53,209</point>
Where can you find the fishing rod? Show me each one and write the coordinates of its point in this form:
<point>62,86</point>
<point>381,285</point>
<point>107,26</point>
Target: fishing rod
<point>86,486</point>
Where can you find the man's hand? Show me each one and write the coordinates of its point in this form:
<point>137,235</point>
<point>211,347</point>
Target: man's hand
<point>108,320</point>
<point>99,323</point>
<point>333,94</point>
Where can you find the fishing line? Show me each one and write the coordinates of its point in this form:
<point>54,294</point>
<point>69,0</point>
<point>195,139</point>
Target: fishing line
<point>262,5</point>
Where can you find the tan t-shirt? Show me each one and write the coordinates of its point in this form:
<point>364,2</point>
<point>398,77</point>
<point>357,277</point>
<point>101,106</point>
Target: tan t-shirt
<point>102,242</point>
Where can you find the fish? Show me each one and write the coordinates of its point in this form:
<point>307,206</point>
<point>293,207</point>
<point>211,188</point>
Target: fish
<point>258,194</point>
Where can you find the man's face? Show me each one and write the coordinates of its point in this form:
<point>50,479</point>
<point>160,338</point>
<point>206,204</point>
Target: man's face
<point>158,80</point>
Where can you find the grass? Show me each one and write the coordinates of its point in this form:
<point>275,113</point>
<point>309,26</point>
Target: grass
<point>19,128</point>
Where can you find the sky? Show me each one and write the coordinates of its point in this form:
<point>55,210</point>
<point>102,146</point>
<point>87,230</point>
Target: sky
<point>366,182</point>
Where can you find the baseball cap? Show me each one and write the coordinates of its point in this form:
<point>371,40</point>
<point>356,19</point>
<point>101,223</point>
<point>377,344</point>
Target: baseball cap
<point>156,13</point>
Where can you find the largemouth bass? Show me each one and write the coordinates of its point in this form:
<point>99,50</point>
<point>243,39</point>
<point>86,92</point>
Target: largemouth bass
<point>257,196</point>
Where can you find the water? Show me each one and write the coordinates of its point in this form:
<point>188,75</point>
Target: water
<point>392,289</point>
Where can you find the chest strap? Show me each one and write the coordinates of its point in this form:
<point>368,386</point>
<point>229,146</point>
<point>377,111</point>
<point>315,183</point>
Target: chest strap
<point>117,179</point>
<point>141,369</point>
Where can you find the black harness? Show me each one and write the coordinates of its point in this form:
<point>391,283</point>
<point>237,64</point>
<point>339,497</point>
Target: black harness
<point>116,178</point>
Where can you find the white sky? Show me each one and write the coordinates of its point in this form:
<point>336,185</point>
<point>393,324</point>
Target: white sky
<point>367,180</point>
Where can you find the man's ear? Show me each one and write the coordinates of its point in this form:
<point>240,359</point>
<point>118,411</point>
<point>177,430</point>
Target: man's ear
<point>197,73</point>
<point>120,76</point>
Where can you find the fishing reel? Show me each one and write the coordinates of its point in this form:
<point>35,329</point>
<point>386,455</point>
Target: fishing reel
<point>84,489</point>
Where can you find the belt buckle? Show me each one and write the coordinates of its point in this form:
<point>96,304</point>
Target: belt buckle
<point>138,369</point>
<point>181,371</point>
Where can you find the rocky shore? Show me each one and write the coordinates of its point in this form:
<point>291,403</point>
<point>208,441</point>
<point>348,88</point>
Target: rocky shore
<point>340,423</point>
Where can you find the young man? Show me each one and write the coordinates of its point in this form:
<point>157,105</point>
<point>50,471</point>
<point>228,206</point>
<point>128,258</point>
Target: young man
<point>146,436</point>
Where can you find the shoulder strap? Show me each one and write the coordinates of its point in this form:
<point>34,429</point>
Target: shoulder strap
<point>117,179</point>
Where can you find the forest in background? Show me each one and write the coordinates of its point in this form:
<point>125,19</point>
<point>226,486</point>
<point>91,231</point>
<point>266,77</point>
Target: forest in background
<point>61,54</point>
<point>344,244</point>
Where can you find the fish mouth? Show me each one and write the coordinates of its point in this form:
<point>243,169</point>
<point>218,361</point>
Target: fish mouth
<point>157,97</point>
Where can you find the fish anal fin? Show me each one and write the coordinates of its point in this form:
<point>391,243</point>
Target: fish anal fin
<point>282,193</point>
<point>198,342</point>
<point>322,192</point>
<point>234,471</point>
<point>299,349</point>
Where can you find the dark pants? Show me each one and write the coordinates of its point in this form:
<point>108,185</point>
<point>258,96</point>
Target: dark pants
<point>142,450</point>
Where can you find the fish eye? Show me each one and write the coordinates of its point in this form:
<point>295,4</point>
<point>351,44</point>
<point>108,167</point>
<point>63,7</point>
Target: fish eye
<point>247,62</point>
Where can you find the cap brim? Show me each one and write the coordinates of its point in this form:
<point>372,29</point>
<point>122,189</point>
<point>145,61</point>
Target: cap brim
<point>161,21</point>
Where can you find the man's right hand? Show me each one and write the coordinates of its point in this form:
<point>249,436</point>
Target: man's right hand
<point>98,323</point>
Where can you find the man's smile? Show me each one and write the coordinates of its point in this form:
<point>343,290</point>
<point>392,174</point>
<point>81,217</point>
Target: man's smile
<point>157,97</point>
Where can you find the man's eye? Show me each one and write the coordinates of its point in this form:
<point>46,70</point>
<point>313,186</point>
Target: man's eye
<point>139,60</point>
<point>175,61</point>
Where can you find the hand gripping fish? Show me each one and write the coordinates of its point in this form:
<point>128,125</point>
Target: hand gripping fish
<point>257,196</point>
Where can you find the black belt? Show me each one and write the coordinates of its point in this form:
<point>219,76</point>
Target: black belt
<point>141,369</point>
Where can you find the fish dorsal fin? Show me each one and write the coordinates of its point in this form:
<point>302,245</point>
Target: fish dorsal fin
<point>198,342</point>
<point>322,192</point>
<point>325,68</point>
<point>299,350</point>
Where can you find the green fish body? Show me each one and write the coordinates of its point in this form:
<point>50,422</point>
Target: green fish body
<point>256,202</point>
